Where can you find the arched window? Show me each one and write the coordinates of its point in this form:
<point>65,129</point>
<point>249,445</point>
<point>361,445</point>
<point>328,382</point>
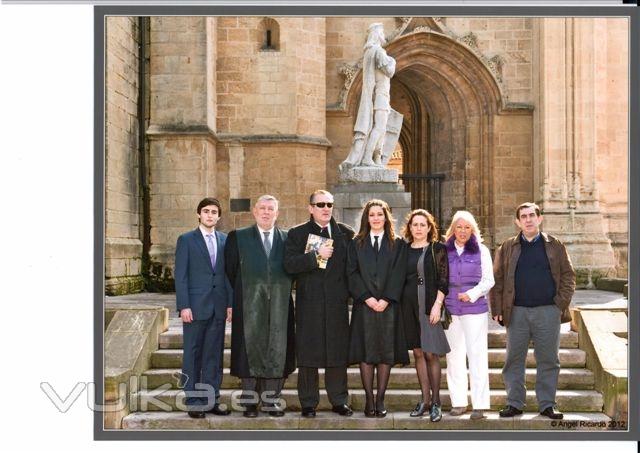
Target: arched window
<point>269,35</point>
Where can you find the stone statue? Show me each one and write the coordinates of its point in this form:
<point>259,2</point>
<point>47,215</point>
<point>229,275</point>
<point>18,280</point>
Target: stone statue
<point>374,135</point>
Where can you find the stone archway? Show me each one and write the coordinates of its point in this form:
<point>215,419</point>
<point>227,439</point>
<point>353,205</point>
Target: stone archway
<point>457,112</point>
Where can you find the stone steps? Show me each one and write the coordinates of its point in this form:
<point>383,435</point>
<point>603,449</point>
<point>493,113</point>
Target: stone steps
<point>396,400</point>
<point>570,378</point>
<point>569,358</point>
<point>172,339</point>
<point>573,421</point>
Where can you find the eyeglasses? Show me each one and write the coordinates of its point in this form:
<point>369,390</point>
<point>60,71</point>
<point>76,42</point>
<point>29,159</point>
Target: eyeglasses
<point>322,204</point>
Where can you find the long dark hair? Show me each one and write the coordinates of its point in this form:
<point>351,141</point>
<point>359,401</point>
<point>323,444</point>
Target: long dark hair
<point>365,228</point>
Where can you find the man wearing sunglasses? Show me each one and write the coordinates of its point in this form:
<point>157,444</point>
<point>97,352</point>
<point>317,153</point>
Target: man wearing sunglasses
<point>322,315</point>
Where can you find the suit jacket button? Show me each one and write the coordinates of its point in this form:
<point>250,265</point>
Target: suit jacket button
<point>214,286</point>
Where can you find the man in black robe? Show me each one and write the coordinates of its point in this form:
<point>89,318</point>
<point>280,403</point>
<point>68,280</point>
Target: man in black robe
<point>262,335</point>
<point>322,316</point>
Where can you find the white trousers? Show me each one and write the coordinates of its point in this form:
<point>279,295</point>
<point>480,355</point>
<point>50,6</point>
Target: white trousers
<point>467,337</point>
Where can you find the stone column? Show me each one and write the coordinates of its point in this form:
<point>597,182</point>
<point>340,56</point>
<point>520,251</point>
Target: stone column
<point>123,244</point>
<point>182,145</point>
<point>565,184</point>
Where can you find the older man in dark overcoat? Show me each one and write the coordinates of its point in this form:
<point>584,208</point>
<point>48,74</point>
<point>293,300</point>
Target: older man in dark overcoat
<point>262,339</point>
<point>322,314</point>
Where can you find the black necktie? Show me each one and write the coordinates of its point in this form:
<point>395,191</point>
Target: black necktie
<point>325,232</point>
<point>376,245</point>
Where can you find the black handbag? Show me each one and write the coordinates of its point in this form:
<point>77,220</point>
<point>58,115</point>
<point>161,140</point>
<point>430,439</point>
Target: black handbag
<point>445,316</point>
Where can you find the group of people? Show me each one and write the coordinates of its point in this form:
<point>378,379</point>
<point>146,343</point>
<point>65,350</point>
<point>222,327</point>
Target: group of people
<point>403,287</point>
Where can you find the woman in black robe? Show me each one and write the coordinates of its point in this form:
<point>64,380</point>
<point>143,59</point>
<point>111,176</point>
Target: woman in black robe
<point>376,270</point>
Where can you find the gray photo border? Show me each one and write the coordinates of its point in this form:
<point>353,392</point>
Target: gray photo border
<point>100,12</point>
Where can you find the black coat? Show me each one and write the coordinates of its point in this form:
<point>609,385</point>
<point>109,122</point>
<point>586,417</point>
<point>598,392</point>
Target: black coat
<point>239,359</point>
<point>321,305</point>
<point>377,337</point>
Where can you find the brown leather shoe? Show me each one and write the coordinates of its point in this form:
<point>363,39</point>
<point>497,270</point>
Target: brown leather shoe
<point>456,411</point>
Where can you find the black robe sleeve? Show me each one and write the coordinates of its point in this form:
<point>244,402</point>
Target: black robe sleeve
<point>357,288</point>
<point>232,258</point>
<point>397,274</point>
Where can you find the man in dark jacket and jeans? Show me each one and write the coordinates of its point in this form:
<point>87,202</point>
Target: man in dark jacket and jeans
<point>534,285</point>
<point>322,313</point>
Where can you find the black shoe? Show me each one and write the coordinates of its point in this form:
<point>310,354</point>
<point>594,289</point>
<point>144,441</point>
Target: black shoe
<point>421,409</point>
<point>308,412</point>
<point>552,413</point>
<point>217,410</point>
<point>435,414</point>
<point>381,413</point>
<point>510,411</point>
<point>196,414</point>
<point>273,410</point>
<point>342,409</point>
<point>369,410</point>
<point>250,411</point>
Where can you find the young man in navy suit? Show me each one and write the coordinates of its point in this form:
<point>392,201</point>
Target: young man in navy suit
<point>203,299</point>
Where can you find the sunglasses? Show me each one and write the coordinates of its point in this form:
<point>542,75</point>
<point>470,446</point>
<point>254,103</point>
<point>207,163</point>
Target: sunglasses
<point>322,204</point>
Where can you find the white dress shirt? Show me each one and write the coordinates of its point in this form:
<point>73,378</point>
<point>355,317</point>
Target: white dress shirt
<point>213,236</point>
<point>373,240</point>
<point>270,236</point>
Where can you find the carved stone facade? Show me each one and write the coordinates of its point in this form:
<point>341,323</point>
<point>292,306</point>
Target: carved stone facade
<point>508,109</point>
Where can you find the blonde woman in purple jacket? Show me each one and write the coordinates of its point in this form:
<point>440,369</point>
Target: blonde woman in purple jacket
<point>470,279</point>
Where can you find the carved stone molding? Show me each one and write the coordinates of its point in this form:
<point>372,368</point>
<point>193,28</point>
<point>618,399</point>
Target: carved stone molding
<point>411,25</point>
<point>348,71</point>
<point>495,63</point>
<point>471,40</point>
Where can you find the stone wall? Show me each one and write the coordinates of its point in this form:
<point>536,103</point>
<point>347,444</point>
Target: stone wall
<point>123,245</point>
<point>182,146</point>
<point>572,123</point>
<point>288,171</point>
<point>511,39</point>
<point>271,113</point>
<point>611,40</point>
<point>271,91</point>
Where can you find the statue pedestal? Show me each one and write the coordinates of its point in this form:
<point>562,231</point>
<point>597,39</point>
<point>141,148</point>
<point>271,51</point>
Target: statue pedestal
<point>368,175</point>
<point>350,197</point>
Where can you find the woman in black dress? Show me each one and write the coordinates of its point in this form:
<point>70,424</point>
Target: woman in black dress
<point>425,287</point>
<point>376,272</point>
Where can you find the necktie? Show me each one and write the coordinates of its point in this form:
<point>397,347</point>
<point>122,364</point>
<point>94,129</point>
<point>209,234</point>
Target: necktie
<point>212,250</point>
<point>267,244</point>
<point>325,232</point>
<point>376,245</point>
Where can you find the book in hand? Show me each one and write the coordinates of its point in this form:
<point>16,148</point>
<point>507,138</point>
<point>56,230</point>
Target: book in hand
<point>313,245</point>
